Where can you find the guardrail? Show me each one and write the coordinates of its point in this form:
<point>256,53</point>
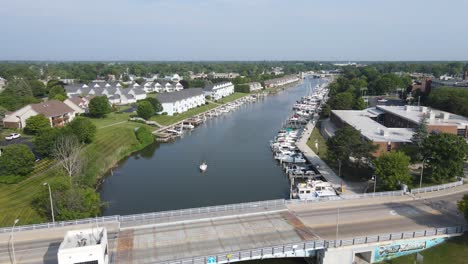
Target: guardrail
<point>305,248</point>
<point>436,187</point>
<point>99,220</point>
<point>263,205</point>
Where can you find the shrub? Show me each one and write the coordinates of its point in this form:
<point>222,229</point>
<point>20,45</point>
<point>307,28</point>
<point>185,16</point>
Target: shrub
<point>35,124</point>
<point>16,160</point>
<point>144,136</point>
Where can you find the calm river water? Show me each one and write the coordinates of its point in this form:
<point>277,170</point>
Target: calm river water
<point>236,149</point>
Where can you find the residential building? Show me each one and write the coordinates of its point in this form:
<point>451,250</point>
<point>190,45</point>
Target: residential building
<point>58,113</point>
<point>222,75</point>
<point>84,246</point>
<point>254,86</point>
<point>114,92</point>
<point>389,127</point>
<point>281,81</point>
<point>424,85</point>
<point>181,101</point>
<point>78,104</point>
<point>219,90</point>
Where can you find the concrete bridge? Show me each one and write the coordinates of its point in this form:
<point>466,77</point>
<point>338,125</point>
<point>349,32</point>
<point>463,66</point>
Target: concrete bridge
<point>327,232</point>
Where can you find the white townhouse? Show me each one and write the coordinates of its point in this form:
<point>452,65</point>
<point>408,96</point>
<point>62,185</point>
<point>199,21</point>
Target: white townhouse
<point>181,101</point>
<point>78,104</point>
<point>162,86</point>
<point>114,92</point>
<point>254,86</point>
<point>219,90</point>
<point>281,81</point>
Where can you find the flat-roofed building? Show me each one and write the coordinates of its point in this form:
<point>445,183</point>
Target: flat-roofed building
<point>389,127</point>
<point>181,101</point>
<point>84,246</point>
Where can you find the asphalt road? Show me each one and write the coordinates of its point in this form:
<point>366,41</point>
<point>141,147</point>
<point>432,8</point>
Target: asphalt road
<point>311,221</point>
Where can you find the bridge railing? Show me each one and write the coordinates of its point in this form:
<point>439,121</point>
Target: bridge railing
<point>98,220</point>
<point>436,187</point>
<point>252,206</point>
<point>304,248</point>
<point>347,197</point>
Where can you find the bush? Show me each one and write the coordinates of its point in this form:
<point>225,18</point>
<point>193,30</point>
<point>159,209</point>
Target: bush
<point>83,128</point>
<point>44,142</point>
<point>35,124</point>
<point>164,113</point>
<point>16,160</point>
<point>99,106</point>
<point>145,110</point>
<point>144,136</point>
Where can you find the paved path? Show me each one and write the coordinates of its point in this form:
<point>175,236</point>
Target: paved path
<point>325,170</point>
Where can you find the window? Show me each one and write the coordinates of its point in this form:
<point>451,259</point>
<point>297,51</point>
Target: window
<point>389,146</point>
<point>88,262</point>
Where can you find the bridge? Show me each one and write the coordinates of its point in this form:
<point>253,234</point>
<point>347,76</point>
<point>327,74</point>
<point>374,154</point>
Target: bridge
<point>328,231</point>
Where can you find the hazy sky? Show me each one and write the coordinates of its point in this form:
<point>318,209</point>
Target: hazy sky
<point>233,30</point>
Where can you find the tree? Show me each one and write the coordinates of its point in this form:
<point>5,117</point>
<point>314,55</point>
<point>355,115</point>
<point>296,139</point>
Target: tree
<point>359,104</point>
<point>99,106</point>
<point>445,155</point>
<point>57,90</point>
<point>463,206</point>
<point>67,151</point>
<point>145,110</point>
<point>155,103</point>
<point>347,143</point>
<point>45,140</point>
<point>392,169</point>
<point>38,88</point>
<point>83,129</point>
<point>342,101</point>
<point>420,134</point>
<point>35,124</point>
<point>15,160</point>
<point>69,203</point>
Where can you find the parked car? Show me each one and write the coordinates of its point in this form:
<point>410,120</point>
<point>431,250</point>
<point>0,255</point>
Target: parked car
<point>13,136</point>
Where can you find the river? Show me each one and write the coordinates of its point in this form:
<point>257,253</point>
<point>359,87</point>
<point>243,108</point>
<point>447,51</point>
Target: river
<point>236,148</point>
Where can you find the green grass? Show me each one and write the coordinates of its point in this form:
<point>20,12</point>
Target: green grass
<point>322,142</point>
<point>110,119</point>
<point>231,98</point>
<point>454,251</point>
<point>110,146</point>
<point>166,120</point>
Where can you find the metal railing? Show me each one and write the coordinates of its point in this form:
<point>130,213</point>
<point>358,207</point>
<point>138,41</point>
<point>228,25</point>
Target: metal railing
<point>436,187</point>
<point>263,205</point>
<point>242,207</point>
<point>99,220</point>
<point>304,248</point>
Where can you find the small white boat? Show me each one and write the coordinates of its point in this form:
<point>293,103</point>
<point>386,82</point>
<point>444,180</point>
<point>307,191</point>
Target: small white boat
<point>203,167</point>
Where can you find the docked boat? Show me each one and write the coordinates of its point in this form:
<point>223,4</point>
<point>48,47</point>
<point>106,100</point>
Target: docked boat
<point>313,189</point>
<point>203,167</point>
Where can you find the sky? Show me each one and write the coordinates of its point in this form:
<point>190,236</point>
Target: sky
<point>181,30</point>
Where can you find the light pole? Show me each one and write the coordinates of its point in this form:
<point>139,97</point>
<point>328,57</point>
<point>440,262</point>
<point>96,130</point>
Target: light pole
<point>374,179</point>
<point>12,241</point>
<point>337,221</point>
<point>422,171</point>
<point>317,146</point>
<point>51,204</point>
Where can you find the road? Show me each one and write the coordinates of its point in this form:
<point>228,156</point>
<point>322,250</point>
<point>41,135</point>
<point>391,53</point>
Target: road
<point>297,222</point>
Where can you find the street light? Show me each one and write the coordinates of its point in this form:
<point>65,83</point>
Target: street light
<point>51,204</point>
<point>12,241</point>
<point>374,179</point>
<point>317,146</point>
<point>422,170</point>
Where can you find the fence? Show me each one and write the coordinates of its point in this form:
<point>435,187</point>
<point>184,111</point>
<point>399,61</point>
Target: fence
<point>99,220</point>
<point>304,249</point>
<point>262,205</point>
<point>436,187</point>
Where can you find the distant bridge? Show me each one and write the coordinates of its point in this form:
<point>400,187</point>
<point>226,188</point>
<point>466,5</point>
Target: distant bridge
<point>268,229</point>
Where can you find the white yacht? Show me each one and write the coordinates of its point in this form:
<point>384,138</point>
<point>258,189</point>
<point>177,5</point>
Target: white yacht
<point>313,189</point>
<point>203,167</point>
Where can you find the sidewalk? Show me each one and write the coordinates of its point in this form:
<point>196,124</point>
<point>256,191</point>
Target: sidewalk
<point>325,170</point>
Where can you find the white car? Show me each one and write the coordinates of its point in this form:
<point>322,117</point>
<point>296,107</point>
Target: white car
<point>13,136</point>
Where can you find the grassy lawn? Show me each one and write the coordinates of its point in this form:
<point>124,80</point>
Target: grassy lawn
<point>110,119</point>
<point>166,120</point>
<point>454,251</point>
<point>231,98</point>
<point>322,143</point>
<point>15,199</point>
<point>110,145</point>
